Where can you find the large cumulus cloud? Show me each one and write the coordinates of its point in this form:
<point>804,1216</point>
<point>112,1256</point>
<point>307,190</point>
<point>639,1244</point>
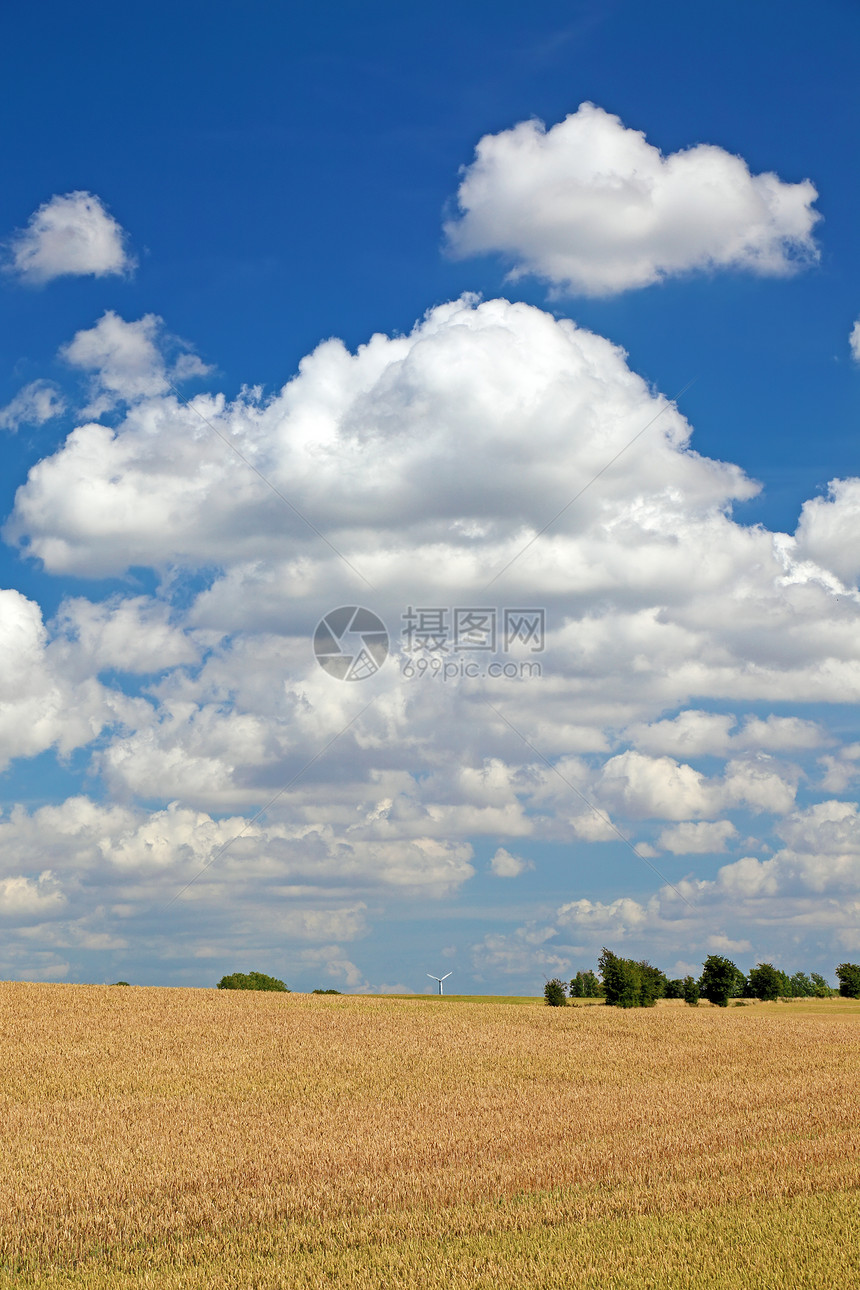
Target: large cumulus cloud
<point>431,462</point>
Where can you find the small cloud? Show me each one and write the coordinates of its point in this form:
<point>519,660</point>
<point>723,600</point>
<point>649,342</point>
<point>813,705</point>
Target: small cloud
<point>36,403</point>
<point>504,865</point>
<point>70,235</point>
<point>725,945</point>
<point>854,341</point>
<point>127,361</point>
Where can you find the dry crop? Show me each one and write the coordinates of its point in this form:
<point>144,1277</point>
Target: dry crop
<point>196,1138</point>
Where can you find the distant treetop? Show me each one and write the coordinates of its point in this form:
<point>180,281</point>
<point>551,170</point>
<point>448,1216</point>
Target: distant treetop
<point>251,981</point>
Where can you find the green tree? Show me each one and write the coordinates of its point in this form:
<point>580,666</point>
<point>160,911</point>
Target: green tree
<point>800,986</point>
<point>652,984</point>
<point>554,993</point>
<point>585,985</point>
<point>325,991</point>
<point>675,989</point>
<point>821,989</point>
<point>622,980</point>
<point>719,980</point>
<point>691,991</point>
<point>251,981</point>
<point>848,976</point>
<point>764,982</point>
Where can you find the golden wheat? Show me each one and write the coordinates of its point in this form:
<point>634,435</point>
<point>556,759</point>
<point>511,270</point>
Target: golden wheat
<point>200,1137</point>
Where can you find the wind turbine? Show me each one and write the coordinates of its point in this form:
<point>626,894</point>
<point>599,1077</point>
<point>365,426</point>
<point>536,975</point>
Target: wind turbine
<point>440,979</point>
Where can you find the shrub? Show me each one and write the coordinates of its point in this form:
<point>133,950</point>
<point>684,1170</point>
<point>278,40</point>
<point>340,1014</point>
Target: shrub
<point>848,975</point>
<point>122,983</point>
<point>251,981</point>
<point>325,991</point>
<point>719,980</point>
<point>554,993</point>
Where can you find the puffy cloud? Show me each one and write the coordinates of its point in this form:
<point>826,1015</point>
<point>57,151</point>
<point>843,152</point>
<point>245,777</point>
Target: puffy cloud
<point>505,865</point>
<point>696,733</point>
<point>524,952</point>
<point>370,447</point>
<point>23,897</point>
<point>618,917</point>
<point>127,361</point>
<point>45,700</point>
<point>854,340</point>
<point>591,207</point>
<point>69,235</point>
<point>829,530</point>
<point>36,403</point>
<point>130,634</point>
<point>429,460</point>
<point>697,839</point>
<point>646,787</point>
<point>840,770</point>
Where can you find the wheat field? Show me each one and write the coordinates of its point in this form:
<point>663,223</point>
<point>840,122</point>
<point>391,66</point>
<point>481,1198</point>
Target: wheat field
<point>195,1138</point>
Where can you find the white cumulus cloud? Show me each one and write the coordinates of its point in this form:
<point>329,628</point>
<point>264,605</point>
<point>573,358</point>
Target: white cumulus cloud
<point>505,865</point>
<point>590,206</point>
<point>71,234</point>
<point>702,838</point>
<point>126,360</point>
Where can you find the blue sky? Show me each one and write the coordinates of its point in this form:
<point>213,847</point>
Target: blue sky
<point>265,179</point>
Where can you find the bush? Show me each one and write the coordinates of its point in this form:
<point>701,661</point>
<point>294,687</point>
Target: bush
<point>122,983</point>
<point>719,980</point>
<point>554,993</point>
<point>325,991</point>
<point>691,991</point>
<point>848,975</point>
<point>251,981</point>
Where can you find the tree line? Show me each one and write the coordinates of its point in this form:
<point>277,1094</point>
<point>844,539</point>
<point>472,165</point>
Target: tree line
<point>630,983</point>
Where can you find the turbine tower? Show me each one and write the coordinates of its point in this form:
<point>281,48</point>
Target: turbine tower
<point>440,979</point>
